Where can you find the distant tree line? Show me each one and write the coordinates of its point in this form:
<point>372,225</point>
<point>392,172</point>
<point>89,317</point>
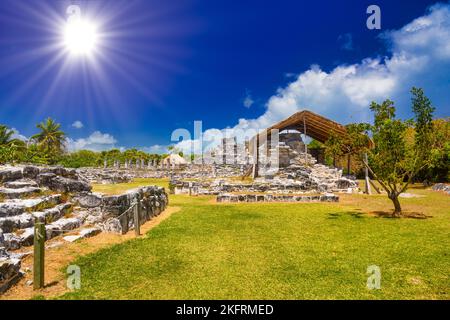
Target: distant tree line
<point>48,146</point>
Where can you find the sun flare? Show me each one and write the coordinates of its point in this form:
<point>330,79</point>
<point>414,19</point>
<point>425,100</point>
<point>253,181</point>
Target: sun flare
<point>80,37</point>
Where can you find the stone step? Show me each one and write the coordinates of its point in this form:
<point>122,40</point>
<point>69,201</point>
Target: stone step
<point>16,207</point>
<point>25,237</point>
<point>10,174</point>
<point>22,221</point>
<point>26,220</point>
<point>84,233</point>
<point>19,184</point>
<point>61,226</point>
<point>9,273</point>
<point>17,193</point>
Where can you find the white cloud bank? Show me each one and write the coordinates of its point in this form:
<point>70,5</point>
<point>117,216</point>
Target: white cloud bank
<point>97,141</point>
<point>419,56</point>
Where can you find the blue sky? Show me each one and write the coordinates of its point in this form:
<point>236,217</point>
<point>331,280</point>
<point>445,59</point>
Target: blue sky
<point>162,65</point>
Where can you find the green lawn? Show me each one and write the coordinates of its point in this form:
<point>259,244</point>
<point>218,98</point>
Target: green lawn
<point>119,188</point>
<point>277,251</point>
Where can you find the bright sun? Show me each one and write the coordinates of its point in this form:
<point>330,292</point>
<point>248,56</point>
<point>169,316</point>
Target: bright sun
<point>80,37</point>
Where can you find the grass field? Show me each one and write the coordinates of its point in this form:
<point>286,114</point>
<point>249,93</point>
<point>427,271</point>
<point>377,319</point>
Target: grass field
<point>278,251</point>
<point>119,188</point>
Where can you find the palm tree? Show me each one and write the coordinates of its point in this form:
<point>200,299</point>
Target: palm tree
<point>50,138</point>
<point>6,137</point>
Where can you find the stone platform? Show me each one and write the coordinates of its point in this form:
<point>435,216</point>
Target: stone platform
<point>328,197</point>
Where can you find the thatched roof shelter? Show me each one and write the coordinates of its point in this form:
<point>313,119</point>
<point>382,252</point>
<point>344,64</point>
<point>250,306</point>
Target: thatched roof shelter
<point>308,123</point>
<point>174,159</point>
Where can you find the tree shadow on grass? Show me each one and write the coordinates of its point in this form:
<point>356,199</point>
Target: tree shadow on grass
<point>378,214</point>
<point>353,214</point>
<point>405,214</point>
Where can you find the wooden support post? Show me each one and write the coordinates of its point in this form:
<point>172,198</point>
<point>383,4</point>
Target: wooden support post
<point>256,157</point>
<point>348,164</point>
<point>137,218</point>
<point>224,151</point>
<point>304,142</point>
<point>39,255</point>
<point>375,187</point>
<point>366,173</point>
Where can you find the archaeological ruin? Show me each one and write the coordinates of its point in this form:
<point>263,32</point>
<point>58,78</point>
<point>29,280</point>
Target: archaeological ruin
<point>274,165</point>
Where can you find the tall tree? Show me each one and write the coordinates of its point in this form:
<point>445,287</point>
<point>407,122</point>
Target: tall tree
<point>51,139</point>
<point>395,160</point>
<point>396,156</point>
<point>6,136</point>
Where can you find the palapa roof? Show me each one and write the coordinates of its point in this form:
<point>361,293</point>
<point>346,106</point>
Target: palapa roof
<point>316,127</point>
<point>174,158</point>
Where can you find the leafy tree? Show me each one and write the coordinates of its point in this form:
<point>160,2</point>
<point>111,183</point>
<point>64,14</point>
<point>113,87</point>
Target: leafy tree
<point>399,150</point>
<point>11,149</point>
<point>51,139</point>
<point>395,160</point>
<point>314,144</point>
<point>352,143</point>
<point>334,147</point>
<point>439,168</point>
<point>5,135</point>
<point>81,158</point>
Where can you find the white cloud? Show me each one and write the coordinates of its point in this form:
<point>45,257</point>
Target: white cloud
<point>78,124</point>
<point>16,135</point>
<point>248,100</point>
<point>97,141</point>
<point>419,56</point>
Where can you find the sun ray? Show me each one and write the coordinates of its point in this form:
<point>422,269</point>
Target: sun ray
<point>63,64</point>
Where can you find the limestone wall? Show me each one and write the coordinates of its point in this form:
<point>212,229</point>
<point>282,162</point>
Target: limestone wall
<point>328,197</point>
<point>119,215</point>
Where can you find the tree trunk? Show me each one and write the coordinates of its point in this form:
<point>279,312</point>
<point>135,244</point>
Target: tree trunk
<point>348,164</point>
<point>397,207</point>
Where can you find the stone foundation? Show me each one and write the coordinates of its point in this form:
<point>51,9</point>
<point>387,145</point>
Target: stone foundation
<point>328,197</point>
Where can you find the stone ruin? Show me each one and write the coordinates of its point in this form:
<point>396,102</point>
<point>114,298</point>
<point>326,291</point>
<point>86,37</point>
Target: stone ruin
<point>285,169</point>
<point>441,187</point>
<point>104,176</point>
<point>62,199</point>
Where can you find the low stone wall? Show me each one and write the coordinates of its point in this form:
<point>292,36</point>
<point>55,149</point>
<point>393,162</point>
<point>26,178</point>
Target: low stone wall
<point>9,273</point>
<point>328,197</point>
<point>441,187</point>
<point>118,212</point>
<point>273,186</point>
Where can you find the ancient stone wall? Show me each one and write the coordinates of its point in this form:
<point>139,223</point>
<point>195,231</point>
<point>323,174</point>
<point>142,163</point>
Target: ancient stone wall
<point>276,198</point>
<point>118,210</point>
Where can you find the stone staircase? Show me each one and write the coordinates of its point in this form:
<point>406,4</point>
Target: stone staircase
<point>62,199</point>
<point>29,194</point>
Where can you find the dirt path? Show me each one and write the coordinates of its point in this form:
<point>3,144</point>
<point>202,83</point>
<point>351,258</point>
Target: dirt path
<point>57,258</point>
